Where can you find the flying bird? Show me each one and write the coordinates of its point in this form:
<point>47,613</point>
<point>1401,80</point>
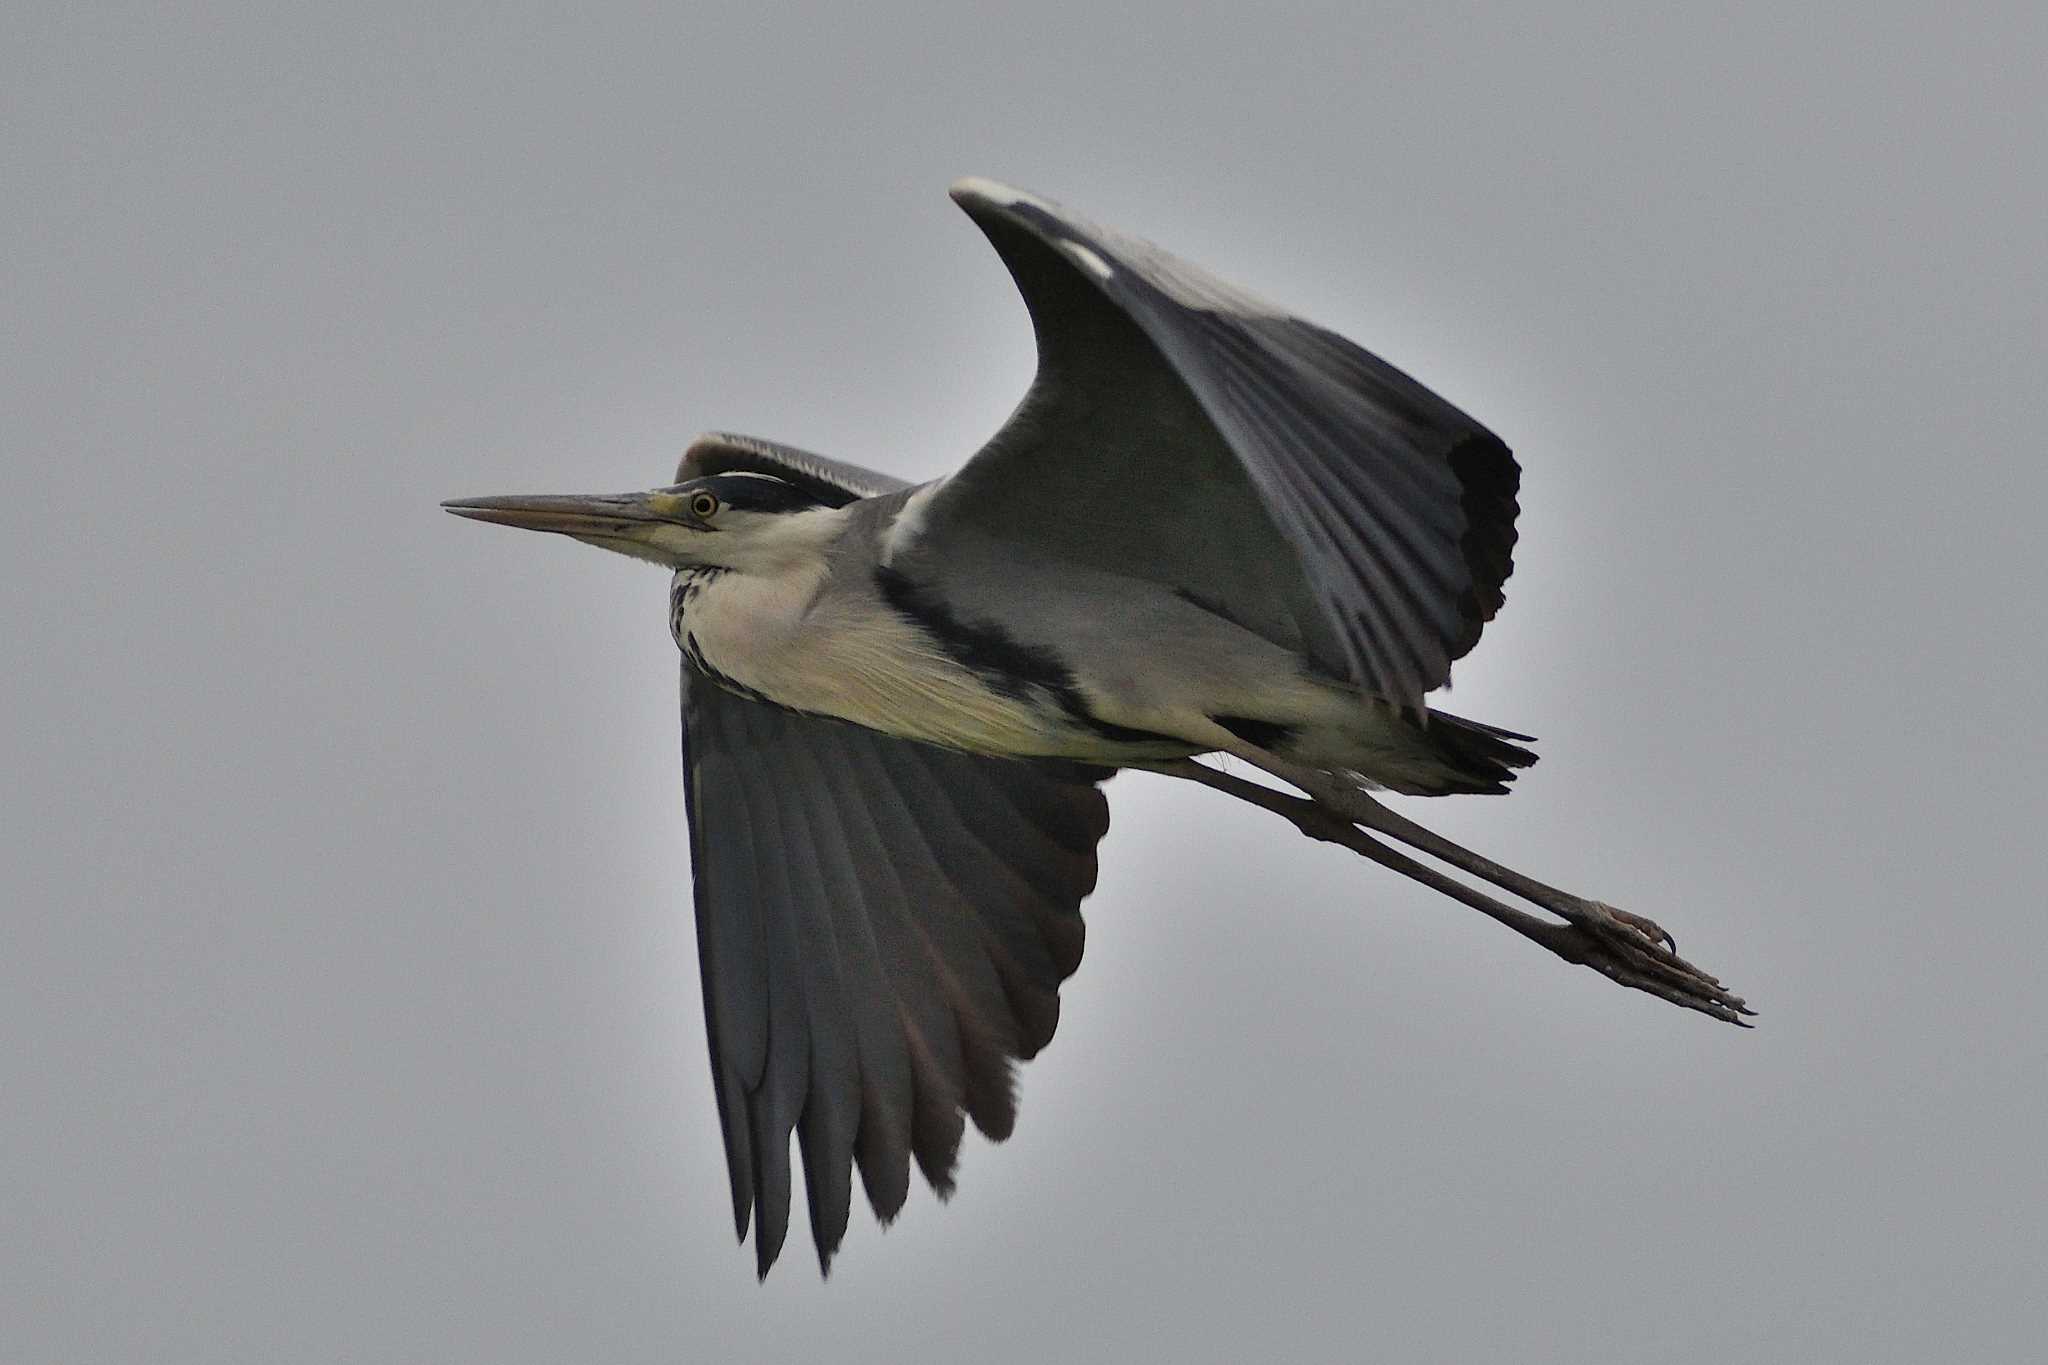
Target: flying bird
<point>1210,528</point>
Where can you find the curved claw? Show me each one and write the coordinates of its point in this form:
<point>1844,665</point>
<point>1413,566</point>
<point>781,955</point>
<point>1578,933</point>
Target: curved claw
<point>1643,925</point>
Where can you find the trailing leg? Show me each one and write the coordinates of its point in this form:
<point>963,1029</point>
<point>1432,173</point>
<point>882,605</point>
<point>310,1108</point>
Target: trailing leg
<point>1606,941</point>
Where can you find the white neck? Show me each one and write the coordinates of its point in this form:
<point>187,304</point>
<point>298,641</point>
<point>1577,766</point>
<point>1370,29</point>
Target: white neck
<point>786,544</point>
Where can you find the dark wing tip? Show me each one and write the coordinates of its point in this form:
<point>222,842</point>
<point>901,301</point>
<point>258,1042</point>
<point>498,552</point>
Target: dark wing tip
<point>1489,483</point>
<point>766,1249</point>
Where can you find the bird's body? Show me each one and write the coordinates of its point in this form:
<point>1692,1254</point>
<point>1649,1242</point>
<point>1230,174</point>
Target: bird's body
<point>1083,664</point>
<point>1211,527</point>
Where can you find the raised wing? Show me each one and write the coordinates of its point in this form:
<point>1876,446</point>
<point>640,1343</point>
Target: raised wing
<point>1183,431</point>
<point>882,927</point>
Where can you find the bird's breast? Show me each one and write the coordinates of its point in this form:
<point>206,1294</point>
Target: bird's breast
<point>743,630</point>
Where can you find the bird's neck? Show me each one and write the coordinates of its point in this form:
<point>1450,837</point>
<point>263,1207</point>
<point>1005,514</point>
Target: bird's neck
<point>794,544</point>
<point>759,584</point>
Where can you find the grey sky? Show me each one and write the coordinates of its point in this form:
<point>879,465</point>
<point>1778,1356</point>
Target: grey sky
<point>348,987</point>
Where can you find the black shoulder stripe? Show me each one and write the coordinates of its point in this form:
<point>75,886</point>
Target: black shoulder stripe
<point>1006,664</point>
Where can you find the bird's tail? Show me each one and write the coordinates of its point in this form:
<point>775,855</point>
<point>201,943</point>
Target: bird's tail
<point>1476,757</point>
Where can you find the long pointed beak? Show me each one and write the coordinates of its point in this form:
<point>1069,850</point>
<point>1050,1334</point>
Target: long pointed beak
<point>623,516</point>
<point>654,526</point>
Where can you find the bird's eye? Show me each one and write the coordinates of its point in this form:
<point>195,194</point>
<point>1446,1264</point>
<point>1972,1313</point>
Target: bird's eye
<point>703,505</point>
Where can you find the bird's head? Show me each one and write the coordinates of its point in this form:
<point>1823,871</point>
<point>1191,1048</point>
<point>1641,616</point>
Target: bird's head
<point>727,521</point>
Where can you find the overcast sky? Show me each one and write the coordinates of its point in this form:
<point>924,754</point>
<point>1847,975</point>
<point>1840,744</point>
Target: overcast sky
<point>348,988</point>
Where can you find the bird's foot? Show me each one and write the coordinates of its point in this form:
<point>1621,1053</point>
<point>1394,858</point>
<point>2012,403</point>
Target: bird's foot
<point>1629,949</point>
<point>1632,950</point>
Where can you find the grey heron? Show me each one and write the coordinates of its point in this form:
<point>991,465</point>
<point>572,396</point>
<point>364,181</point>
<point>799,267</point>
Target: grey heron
<point>1210,528</point>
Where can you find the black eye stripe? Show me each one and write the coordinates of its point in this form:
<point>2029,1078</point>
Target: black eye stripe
<point>753,493</point>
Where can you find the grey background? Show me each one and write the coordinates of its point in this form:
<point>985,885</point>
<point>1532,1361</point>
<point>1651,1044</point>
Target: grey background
<point>348,993</point>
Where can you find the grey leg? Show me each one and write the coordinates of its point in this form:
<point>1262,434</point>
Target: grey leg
<point>1361,809</point>
<point>1613,944</point>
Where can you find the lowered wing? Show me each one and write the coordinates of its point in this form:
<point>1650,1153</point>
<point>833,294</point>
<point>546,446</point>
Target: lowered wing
<point>882,927</point>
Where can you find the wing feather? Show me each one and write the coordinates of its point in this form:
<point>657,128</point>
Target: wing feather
<point>1182,430</point>
<point>883,928</point>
